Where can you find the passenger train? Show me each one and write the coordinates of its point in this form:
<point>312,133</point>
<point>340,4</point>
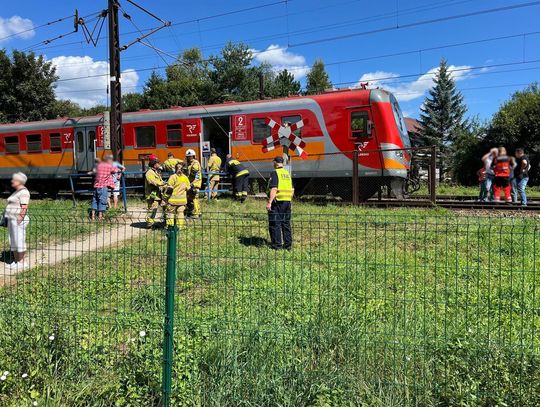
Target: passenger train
<point>335,125</point>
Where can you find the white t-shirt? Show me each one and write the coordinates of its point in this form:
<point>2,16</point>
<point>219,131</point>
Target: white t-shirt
<point>14,202</point>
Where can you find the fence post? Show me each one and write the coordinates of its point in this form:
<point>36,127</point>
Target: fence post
<point>433,175</point>
<point>123,189</point>
<point>170,282</point>
<point>355,180</point>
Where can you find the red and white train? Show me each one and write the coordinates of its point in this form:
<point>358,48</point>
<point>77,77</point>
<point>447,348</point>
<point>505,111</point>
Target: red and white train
<point>335,124</point>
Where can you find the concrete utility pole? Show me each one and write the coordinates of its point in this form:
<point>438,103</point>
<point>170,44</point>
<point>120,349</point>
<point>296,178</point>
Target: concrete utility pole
<point>115,86</point>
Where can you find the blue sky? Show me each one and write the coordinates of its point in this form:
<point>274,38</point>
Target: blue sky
<point>294,33</point>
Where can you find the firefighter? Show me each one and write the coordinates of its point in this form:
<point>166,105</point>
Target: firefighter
<point>177,188</point>
<point>502,171</point>
<point>153,184</point>
<point>240,178</point>
<point>213,166</point>
<point>194,173</point>
<point>170,163</point>
<point>280,195</point>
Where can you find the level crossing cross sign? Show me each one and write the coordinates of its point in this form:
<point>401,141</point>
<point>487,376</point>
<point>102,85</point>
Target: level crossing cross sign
<point>284,136</point>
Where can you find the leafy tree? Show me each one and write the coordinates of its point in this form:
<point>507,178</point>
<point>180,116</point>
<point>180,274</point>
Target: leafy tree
<point>443,110</point>
<point>284,84</point>
<point>517,124</point>
<point>155,93</point>
<point>66,108</point>
<point>233,75</point>
<point>466,152</point>
<point>317,79</point>
<point>26,87</point>
<point>94,110</point>
<point>132,102</point>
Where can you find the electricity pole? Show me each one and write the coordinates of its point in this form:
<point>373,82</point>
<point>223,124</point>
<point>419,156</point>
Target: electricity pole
<point>115,87</point>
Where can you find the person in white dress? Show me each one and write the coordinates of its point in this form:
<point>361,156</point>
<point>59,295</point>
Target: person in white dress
<point>17,219</point>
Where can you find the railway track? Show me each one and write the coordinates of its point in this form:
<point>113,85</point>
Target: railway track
<point>452,204</point>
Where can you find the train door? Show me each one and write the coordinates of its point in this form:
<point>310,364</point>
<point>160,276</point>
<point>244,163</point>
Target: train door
<point>217,130</point>
<point>85,148</point>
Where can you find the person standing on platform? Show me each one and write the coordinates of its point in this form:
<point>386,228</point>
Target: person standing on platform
<point>213,166</point>
<point>280,195</point>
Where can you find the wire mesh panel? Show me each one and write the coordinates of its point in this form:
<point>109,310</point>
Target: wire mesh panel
<point>374,310</point>
<point>81,317</point>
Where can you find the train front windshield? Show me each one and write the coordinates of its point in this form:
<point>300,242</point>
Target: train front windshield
<point>400,122</point>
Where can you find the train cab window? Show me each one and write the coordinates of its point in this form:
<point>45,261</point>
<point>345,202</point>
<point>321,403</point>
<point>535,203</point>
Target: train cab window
<point>80,141</point>
<point>145,136</point>
<point>359,125</point>
<point>293,120</point>
<point>33,143</point>
<point>91,140</point>
<point>261,131</point>
<point>174,135</point>
<point>12,144</point>
<point>56,142</point>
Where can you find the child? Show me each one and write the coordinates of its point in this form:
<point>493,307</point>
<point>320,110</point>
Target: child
<point>482,177</point>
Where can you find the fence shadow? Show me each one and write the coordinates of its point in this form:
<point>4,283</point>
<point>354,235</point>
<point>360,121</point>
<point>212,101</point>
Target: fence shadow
<point>255,241</point>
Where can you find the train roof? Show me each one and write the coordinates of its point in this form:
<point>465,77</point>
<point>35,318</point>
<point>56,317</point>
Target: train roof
<point>356,96</point>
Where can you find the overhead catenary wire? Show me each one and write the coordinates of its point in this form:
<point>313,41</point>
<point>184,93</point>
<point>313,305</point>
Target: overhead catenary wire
<point>16,34</point>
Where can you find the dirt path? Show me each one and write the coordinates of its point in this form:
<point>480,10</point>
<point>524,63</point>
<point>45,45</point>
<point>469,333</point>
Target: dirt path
<point>111,235</point>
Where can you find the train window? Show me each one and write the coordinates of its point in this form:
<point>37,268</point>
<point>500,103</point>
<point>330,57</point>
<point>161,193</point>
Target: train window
<point>91,140</point>
<point>292,120</point>
<point>359,124</point>
<point>145,136</point>
<point>56,142</point>
<point>80,142</point>
<point>33,143</point>
<point>261,131</point>
<point>174,135</point>
<point>12,144</point>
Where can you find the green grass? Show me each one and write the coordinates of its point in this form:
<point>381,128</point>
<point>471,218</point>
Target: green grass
<point>460,190</point>
<point>373,307</point>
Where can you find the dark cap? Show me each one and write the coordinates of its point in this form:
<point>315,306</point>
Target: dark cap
<point>153,162</point>
<point>279,160</point>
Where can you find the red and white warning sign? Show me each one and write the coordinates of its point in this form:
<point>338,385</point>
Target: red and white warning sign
<point>285,137</point>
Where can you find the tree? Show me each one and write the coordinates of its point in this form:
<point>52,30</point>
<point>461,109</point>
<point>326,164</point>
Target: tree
<point>443,110</point>
<point>517,124</point>
<point>317,80</point>
<point>132,102</point>
<point>66,108</point>
<point>285,84</point>
<point>466,152</point>
<point>26,87</point>
<point>155,95</point>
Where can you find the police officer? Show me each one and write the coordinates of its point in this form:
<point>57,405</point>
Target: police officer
<point>177,188</point>
<point>280,195</point>
<point>153,183</point>
<point>240,178</point>
<point>194,174</point>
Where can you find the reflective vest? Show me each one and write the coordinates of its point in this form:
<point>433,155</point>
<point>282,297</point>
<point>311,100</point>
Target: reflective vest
<point>194,174</point>
<point>170,163</point>
<point>285,188</point>
<point>502,166</point>
<point>152,183</point>
<point>214,165</point>
<point>179,185</point>
<point>236,168</point>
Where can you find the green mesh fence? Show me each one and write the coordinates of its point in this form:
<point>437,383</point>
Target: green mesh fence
<point>369,308</point>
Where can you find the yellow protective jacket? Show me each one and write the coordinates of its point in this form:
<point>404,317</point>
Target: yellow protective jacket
<point>178,186</point>
<point>214,165</point>
<point>194,174</point>
<point>152,184</point>
<point>170,163</point>
<point>285,188</point>
<point>236,169</point>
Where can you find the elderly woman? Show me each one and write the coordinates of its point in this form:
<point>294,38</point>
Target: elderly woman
<point>17,218</point>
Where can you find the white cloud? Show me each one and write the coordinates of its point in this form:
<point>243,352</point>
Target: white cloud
<point>281,59</point>
<point>14,25</point>
<point>91,89</point>
<point>414,89</point>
